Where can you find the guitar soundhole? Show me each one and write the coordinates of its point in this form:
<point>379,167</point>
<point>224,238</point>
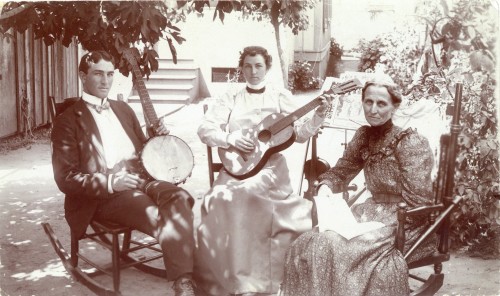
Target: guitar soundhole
<point>264,135</point>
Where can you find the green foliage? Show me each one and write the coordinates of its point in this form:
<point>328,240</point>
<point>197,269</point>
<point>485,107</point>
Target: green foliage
<point>397,52</point>
<point>301,77</point>
<point>115,26</point>
<point>108,25</point>
<point>334,58</point>
<point>235,76</point>
<point>477,180</point>
<point>461,41</point>
<point>290,13</point>
<point>465,38</point>
<point>287,13</point>
<point>476,222</point>
<point>371,51</point>
<point>336,51</point>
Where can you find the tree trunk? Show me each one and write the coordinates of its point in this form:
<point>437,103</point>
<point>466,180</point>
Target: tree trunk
<point>283,64</point>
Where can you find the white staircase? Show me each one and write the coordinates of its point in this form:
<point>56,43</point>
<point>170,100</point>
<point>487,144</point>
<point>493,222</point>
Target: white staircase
<point>172,83</point>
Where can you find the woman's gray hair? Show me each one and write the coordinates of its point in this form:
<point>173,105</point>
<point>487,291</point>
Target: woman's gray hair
<point>388,83</point>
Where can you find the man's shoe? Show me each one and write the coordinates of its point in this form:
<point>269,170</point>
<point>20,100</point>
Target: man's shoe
<point>184,287</point>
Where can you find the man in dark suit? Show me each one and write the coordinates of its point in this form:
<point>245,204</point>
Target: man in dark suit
<point>95,146</point>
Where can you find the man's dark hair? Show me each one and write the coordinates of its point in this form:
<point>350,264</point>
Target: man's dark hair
<point>94,57</point>
<point>253,51</point>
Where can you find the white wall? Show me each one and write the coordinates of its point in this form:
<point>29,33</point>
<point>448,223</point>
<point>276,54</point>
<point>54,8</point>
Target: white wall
<point>351,22</point>
<point>213,44</point>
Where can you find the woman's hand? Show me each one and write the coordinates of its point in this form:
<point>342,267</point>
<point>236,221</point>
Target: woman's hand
<point>240,142</point>
<point>325,104</point>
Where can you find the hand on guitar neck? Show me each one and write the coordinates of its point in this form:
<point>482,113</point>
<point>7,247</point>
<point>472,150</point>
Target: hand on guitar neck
<point>251,148</point>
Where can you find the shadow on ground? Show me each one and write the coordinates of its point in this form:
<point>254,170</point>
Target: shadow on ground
<point>29,196</point>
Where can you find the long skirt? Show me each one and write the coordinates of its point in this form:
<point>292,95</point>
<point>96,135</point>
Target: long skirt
<point>326,263</point>
<point>246,227</point>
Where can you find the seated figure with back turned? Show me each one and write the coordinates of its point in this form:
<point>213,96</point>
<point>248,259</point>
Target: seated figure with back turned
<point>95,156</point>
<point>397,165</point>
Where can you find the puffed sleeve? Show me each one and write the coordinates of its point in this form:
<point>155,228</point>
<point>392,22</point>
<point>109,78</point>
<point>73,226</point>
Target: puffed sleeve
<point>415,159</point>
<point>349,165</point>
<point>212,130</point>
<point>304,127</point>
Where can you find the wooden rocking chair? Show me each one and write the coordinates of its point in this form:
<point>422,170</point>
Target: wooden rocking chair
<point>438,214</point>
<point>125,252</point>
<point>213,167</point>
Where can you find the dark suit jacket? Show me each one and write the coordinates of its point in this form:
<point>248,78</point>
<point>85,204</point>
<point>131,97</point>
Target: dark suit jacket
<point>78,161</point>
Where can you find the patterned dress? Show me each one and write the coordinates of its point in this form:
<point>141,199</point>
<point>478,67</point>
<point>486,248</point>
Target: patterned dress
<point>247,225</point>
<point>397,166</point>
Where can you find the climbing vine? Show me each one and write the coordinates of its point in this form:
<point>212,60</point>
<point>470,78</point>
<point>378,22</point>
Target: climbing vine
<point>459,47</point>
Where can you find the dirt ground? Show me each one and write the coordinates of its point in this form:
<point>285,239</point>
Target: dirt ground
<point>29,196</point>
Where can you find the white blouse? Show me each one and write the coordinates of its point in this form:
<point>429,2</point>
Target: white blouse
<point>237,109</point>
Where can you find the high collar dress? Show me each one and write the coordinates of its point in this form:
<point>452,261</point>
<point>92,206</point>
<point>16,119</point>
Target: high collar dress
<point>397,166</point>
<point>247,225</point>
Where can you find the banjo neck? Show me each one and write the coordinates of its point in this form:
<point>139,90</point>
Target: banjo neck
<point>147,105</point>
<point>163,157</point>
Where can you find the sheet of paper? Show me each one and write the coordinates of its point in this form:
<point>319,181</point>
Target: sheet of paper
<point>334,215</point>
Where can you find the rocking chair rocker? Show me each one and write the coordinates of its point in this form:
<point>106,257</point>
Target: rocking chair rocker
<point>438,214</point>
<point>118,239</point>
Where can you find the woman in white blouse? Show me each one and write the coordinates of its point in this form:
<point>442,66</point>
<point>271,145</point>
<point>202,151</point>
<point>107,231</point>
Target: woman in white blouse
<point>246,225</point>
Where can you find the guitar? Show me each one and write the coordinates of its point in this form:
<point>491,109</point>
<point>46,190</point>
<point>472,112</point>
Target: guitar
<point>273,134</point>
<point>164,157</point>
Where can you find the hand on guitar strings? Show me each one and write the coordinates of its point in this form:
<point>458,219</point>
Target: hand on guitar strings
<point>240,142</point>
<point>124,180</point>
<point>162,128</point>
<point>325,104</point>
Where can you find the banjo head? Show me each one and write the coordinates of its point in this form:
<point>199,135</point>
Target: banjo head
<point>167,158</point>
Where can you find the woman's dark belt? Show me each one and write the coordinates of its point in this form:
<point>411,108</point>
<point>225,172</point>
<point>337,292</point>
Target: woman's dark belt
<point>386,197</point>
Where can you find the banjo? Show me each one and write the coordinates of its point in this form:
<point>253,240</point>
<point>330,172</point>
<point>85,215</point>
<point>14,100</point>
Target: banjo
<point>163,157</point>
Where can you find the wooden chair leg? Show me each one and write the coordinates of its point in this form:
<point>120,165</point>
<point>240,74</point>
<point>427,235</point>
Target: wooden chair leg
<point>75,271</point>
<point>74,250</point>
<point>127,236</point>
<point>119,256</point>
<point>438,268</point>
<point>116,261</point>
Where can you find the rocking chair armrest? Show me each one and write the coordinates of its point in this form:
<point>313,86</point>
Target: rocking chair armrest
<point>400,235</point>
<point>422,210</point>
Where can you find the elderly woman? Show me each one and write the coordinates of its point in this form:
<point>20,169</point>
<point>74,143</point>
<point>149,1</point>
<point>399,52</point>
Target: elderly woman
<point>397,165</point>
<point>247,224</point>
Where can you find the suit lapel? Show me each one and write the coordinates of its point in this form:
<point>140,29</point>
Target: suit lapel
<point>88,125</point>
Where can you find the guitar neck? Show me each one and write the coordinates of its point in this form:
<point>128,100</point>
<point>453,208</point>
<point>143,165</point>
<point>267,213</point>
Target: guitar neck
<point>292,117</point>
<point>340,89</point>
